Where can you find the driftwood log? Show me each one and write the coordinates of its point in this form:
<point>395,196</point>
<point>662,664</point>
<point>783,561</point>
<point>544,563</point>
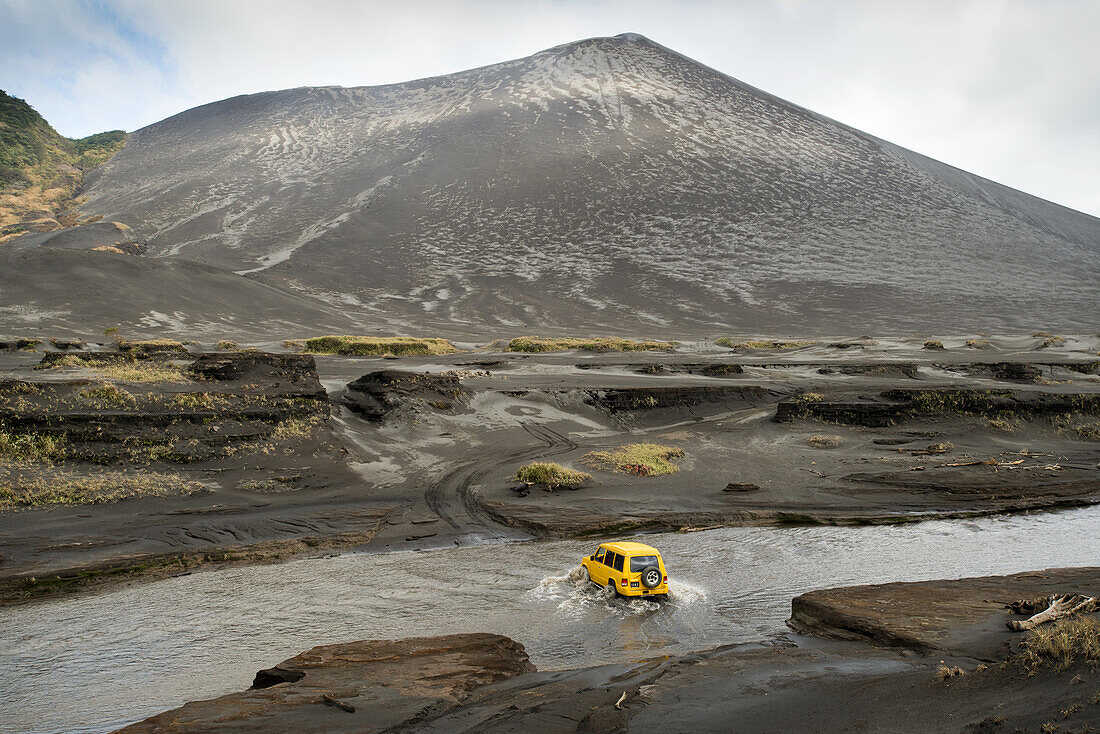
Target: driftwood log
<point>1049,609</point>
<point>342,705</point>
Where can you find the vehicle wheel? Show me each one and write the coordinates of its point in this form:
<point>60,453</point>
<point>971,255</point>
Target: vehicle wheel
<point>651,577</point>
<point>585,576</point>
<point>614,589</point>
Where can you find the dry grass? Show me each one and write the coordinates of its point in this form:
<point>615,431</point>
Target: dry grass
<point>198,401</point>
<point>1077,427</point>
<point>1052,341</point>
<point>808,397</point>
<point>641,459</point>
<point>398,346</point>
<point>147,371</point>
<point>1003,425</point>
<point>933,344</point>
<point>141,372</point>
<point>1060,645</point>
<point>977,343</point>
<point>551,475</point>
<point>66,489</point>
<point>296,428</point>
<point>536,344</point>
<point>822,441</point>
<point>754,345</point>
<point>147,347</point>
<point>30,447</point>
<point>106,397</point>
<point>947,672</point>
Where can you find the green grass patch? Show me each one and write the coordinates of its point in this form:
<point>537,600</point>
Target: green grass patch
<point>551,475</point>
<point>66,489</point>
<point>537,344</point>
<point>759,345</point>
<point>640,459</point>
<point>30,447</point>
<point>1062,644</point>
<point>356,346</point>
<point>147,347</point>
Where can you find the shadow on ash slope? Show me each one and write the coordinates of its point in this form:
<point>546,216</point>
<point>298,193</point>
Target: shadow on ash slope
<point>607,183</point>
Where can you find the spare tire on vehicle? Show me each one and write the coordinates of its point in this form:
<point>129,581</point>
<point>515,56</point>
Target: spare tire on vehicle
<point>651,577</point>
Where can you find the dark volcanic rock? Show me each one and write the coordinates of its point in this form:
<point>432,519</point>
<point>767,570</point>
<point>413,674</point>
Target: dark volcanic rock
<point>378,394</point>
<point>386,683</point>
<point>282,374</point>
<point>891,406</point>
<point>643,399</point>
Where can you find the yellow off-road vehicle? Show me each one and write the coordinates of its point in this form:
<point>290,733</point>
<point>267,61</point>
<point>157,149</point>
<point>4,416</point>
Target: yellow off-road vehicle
<point>627,569</point>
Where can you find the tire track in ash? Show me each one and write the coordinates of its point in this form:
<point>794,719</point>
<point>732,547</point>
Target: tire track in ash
<point>454,489</point>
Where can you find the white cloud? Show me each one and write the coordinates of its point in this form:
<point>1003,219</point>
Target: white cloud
<point>1007,89</point>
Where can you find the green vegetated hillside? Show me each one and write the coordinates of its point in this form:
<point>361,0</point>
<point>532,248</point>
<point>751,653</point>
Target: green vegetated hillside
<point>41,171</point>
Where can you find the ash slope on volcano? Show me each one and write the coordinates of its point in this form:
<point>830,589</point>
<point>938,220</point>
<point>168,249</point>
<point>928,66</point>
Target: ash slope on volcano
<point>606,184</point>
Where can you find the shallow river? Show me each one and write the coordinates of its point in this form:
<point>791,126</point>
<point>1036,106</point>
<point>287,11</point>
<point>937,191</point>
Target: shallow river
<point>97,662</point>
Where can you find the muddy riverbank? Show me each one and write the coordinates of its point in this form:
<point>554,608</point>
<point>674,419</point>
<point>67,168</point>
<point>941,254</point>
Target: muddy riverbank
<point>290,456</point>
<point>486,682</point>
<point>100,661</point>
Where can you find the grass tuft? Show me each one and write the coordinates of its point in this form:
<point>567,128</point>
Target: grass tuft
<point>933,344</point>
<point>30,447</point>
<point>1004,425</point>
<point>946,673</point>
<point>551,475</point>
<point>1060,645</point>
<point>751,345</point>
<point>65,489</point>
<point>135,371</point>
<point>296,428</point>
<point>977,343</point>
<point>536,344</point>
<point>641,459</point>
<point>105,397</point>
<point>398,346</point>
<point>822,441</point>
<point>147,347</point>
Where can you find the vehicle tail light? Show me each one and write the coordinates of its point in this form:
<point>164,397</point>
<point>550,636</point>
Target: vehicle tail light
<point>666,579</point>
<point>624,582</point>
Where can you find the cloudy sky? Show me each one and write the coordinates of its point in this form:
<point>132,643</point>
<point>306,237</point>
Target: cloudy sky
<point>1008,89</point>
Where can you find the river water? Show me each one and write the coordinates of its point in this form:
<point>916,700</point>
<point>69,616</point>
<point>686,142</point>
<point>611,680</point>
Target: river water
<point>93,663</point>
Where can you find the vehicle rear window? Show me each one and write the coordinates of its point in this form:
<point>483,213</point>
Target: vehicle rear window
<point>618,562</point>
<point>639,563</point>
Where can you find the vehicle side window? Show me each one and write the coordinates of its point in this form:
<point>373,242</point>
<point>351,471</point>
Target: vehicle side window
<point>600,554</point>
<point>609,559</point>
<point>618,562</point>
